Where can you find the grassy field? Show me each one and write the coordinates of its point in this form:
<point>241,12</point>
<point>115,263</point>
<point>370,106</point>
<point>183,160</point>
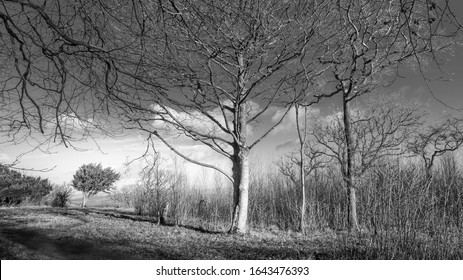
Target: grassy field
<point>95,201</point>
<point>97,233</point>
<point>115,233</point>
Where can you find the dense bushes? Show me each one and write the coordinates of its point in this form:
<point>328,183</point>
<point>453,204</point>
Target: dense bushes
<point>402,214</point>
<point>17,188</point>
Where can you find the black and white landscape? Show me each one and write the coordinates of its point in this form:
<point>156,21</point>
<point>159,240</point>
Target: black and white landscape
<point>253,129</point>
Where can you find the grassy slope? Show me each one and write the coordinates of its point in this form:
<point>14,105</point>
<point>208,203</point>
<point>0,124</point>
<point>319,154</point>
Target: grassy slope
<point>99,200</point>
<point>105,233</point>
<point>50,233</point>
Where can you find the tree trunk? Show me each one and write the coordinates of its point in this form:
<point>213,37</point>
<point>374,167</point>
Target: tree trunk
<point>163,214</point>
<point>302,135</point>
<point>428,170</point>
<point>301,174</point>
<point>351,191</point>
<point>353,220</point>
<point>240,190</point>
<point>84,200</point>
<point>240,157</point>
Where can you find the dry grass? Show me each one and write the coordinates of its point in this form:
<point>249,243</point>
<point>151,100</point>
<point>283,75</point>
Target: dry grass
<point>100,200</point>
<point>97,233</point>
<point>48,233</point>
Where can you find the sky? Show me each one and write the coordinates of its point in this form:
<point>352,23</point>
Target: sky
<point>115,153</point>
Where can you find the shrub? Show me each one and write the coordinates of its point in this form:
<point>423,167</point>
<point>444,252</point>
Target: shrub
<point>61,195</point>
<point>124,195</point>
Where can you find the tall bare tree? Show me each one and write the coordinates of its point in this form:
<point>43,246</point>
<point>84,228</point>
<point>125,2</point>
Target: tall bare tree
<point>298,166</point>
<point>302,136</point>
<point>377,131</point>
<point>376,41</point>
<point>231,63</point>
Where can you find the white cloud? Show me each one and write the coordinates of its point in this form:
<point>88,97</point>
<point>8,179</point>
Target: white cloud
<point>289,122</point>
<point>196,120</point>
<point>287,145</point>
<point>70,122</point>
<point>192,120</point>
<point>169,160</point>
<point>4,158</point>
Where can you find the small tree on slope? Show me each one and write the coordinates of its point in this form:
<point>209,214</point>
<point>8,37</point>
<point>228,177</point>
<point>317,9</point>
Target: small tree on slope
<point>91,179</point>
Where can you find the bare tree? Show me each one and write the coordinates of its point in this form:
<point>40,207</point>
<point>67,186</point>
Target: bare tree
<point>244,61</point>
<point>435,140</point>
<point>376,132</point>
<point>375,40</point>
<point>298,166</point>
<point>155,188</point>
<point>124,195</point>
<point>302,136</point>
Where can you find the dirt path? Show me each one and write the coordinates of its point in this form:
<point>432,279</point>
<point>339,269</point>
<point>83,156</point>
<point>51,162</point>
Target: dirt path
<point>45,246</point>
<point>49,243</point>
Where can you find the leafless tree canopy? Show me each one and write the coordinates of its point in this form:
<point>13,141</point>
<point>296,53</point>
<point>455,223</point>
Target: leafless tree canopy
<point>376,39</point>
<point>435,140</point>
<point>379,129</point>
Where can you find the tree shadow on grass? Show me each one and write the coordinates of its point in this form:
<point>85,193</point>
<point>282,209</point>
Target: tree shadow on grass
<point>124,215</point>
<point>165,242</point>
<point>70,248</point>
<point>194,228</point>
